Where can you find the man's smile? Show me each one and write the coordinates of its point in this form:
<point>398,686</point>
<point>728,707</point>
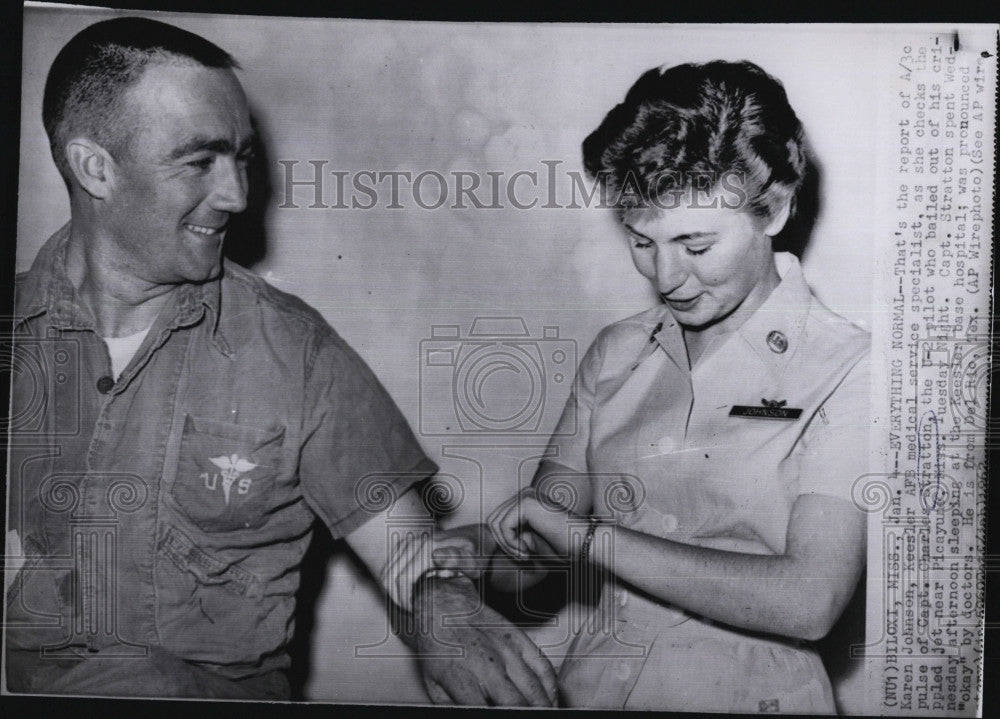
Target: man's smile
<point>204,230</point>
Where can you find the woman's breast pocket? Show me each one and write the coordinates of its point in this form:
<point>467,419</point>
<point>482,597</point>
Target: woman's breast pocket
<point>226,474</point>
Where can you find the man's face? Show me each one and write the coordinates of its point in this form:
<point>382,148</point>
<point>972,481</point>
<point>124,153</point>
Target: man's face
<point>183,176</point>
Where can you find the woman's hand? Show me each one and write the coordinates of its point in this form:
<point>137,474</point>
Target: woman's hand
<point>522,521</point>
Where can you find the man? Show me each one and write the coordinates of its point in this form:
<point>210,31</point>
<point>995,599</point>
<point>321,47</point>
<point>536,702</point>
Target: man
<point>188,422</point>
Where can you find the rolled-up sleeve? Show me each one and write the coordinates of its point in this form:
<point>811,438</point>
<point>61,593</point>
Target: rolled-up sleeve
<point>359,452</point>
<point>835,444</point>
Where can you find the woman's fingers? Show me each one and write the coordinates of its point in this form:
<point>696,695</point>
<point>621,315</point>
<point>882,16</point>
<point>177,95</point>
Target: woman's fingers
<point>447,557</point>
<point>505,530</point>
<point>496,523</point>
<point>459,557</point>
<point>506,524</point>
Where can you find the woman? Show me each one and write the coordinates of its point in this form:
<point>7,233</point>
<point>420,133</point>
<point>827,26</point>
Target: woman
<point>718,434</point>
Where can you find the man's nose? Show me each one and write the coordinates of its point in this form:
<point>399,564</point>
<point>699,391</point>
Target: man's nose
<point>670,271</point>
<point>229,192</point>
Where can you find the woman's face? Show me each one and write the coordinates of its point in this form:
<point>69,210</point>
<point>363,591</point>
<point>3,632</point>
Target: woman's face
<point>713,266</point>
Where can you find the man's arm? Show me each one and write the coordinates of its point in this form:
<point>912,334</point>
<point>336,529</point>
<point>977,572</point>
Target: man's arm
<point>483,660</point>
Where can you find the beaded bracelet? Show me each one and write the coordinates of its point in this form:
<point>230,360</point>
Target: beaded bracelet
<point>592,523</point>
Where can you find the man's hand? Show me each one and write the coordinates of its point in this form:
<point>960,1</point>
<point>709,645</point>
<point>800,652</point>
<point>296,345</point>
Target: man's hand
<point>477,658</point>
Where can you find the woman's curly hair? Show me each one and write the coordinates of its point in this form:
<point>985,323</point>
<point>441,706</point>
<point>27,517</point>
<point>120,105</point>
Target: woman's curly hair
<point>691,125</point>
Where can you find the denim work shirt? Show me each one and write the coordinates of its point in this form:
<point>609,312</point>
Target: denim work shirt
<point>169,509</point>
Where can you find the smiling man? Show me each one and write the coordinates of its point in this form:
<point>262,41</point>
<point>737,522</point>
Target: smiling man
<point>193,421</point>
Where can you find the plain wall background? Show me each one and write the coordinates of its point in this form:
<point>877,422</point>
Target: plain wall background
<point>389,96</point>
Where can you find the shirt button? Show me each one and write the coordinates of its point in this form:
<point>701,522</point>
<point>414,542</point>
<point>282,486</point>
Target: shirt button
<point>622,598</point>
<point>104,384</point>
<point>669,523</point>
<point>665,445</point>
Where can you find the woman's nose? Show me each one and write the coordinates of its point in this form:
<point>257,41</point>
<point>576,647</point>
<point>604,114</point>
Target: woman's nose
<point>670,271</point>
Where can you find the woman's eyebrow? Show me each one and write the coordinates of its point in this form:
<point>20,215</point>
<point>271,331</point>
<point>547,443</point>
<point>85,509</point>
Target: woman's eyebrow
<point>675,238</point>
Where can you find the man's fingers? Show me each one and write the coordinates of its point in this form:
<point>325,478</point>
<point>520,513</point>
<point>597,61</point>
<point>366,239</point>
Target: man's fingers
<point>503,691</point>
<point>436,693</point>
<point>537,662</point>
<point>464,688</point>
<point>526,678</point>
<point>491,666</point>
<point>546,674</point>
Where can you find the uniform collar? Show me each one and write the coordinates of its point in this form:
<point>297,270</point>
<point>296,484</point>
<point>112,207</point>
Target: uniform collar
<point>773,331</point>
<point>46,289</point>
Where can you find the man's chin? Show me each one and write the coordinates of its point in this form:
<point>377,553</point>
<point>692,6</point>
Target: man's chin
<point>204,274</point>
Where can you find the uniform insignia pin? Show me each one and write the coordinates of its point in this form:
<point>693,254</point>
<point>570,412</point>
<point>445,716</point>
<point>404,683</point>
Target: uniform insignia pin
<point>777,341</point>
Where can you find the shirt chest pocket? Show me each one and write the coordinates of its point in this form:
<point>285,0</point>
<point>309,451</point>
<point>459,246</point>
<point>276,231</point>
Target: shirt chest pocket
<point>226,474</point>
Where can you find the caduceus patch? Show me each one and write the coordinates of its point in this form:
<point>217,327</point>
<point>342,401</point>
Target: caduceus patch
<point>231,468</point>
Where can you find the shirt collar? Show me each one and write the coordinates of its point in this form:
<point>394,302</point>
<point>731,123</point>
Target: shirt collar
<point>46,289</point>
<point>773,331</point>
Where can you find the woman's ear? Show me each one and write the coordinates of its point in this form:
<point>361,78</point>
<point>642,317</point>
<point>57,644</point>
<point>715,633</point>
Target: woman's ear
<point>777,222</point>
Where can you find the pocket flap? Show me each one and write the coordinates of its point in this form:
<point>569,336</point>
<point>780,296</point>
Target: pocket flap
<point>207,569</point>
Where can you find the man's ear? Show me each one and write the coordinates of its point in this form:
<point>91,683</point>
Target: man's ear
<point>777,222</point>
<point>91,165</point>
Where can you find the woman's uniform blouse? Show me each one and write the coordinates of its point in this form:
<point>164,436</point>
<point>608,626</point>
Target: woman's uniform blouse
<point>714,456</point>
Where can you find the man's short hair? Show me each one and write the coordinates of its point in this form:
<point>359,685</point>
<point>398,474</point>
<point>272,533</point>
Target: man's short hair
<point>86,86</point>
<point>692,121</point>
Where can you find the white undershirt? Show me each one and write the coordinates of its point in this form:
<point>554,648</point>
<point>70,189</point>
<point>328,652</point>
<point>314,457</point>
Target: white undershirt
<point>123,349</point>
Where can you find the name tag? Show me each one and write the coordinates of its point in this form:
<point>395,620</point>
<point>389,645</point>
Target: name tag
<point>740,410</point>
